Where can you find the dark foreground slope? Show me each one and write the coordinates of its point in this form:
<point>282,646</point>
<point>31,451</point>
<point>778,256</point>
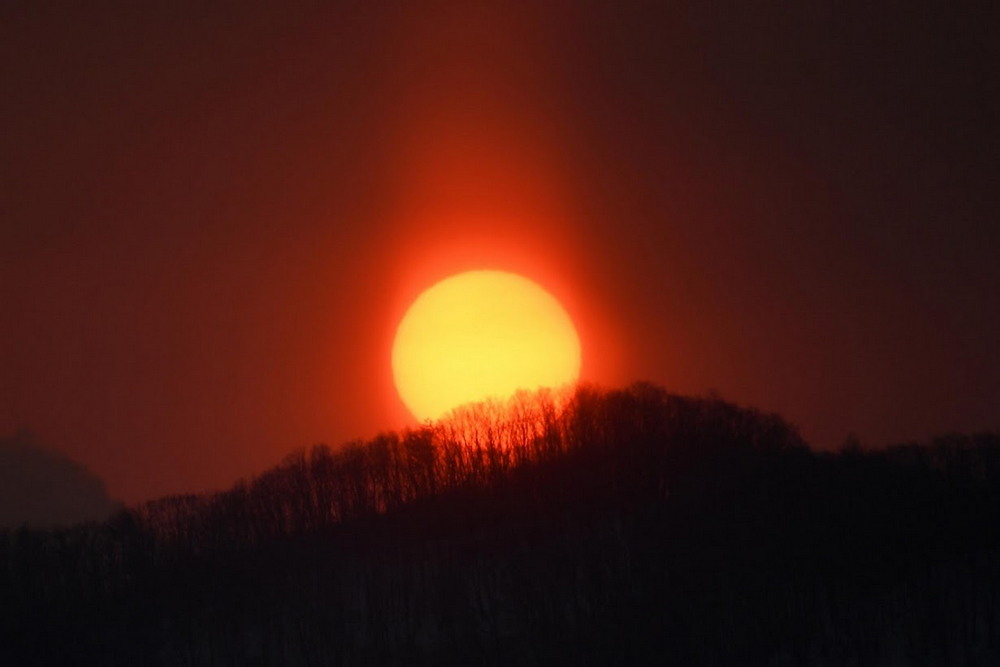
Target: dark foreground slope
<point>631,527</point>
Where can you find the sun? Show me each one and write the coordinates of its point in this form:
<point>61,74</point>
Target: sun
<point>479,335</point>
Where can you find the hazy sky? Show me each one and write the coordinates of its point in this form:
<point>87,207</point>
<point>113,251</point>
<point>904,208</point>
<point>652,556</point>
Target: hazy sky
<point>211,219</point>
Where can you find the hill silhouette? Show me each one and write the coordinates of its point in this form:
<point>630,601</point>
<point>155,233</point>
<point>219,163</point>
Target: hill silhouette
<point>605,527</point>
<point>43,488</point>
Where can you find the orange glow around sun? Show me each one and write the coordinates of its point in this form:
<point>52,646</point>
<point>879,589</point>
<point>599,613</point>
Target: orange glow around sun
<point>479,335</point>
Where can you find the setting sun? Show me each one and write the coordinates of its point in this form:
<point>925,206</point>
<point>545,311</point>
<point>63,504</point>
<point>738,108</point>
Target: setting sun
<point>478,335</point>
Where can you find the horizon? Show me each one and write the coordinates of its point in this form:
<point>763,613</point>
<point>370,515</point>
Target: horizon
<point>32,469</point>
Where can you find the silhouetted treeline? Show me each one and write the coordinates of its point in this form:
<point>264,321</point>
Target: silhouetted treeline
<point>621,527</point>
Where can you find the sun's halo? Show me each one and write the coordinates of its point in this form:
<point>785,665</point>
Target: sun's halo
<point>481,335</point>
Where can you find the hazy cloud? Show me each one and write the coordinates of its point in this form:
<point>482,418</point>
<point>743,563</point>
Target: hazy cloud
<point>44,488</point>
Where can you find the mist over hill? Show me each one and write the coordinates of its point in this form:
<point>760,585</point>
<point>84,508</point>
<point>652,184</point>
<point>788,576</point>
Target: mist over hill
<point>43,488</point>
<point>607,527</point>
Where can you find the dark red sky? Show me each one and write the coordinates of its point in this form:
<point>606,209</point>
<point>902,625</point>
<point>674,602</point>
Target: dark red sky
<point>212,219</point>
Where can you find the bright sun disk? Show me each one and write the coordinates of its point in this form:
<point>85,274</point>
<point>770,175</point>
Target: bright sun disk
<point>479,335</point>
